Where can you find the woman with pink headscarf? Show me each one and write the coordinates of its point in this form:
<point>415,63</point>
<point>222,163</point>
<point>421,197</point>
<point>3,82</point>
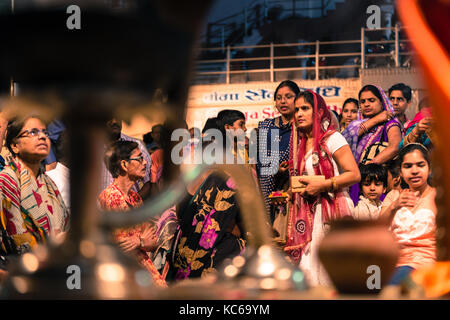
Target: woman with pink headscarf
<point>317,149</point>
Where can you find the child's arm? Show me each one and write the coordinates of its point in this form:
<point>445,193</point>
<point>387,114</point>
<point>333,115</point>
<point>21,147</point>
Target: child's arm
<point>389,207</point>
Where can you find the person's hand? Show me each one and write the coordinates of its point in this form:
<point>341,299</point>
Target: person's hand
<point>278,201</point>
<point>407,198</point>
<point>384,116</point>
<point>149,239</point>
<point>313,187</point>
<point>130,243</point>
<point>283,167</point>
<point>424,125</point>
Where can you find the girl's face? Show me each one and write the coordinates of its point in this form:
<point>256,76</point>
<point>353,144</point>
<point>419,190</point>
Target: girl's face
<point>415,170</point>
<point>349,112</point>
<point>370,104</point>
<point>284,101</point>
<point>303,114</point>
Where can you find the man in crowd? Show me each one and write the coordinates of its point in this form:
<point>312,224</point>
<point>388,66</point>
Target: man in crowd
<point>400,96</point>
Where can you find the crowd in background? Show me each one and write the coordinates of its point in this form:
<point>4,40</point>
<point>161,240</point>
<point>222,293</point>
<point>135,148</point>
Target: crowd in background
<point>370,162</point>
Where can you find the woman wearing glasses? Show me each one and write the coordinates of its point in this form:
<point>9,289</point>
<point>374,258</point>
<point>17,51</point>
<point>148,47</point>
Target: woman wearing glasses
<point>127,165</point>
<point>32,209</point>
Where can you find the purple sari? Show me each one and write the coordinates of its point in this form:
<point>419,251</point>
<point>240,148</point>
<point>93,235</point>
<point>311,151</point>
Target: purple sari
<point>359,144</point>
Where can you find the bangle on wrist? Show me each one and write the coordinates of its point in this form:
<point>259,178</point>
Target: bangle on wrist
<point>333,184</point>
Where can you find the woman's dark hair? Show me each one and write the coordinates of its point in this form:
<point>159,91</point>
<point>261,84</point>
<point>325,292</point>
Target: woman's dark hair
<point>372,89</point>
<point>411,148</point>
<point>372,172</point>
<point>350,100</point>
<point>406,90</point>
<point>287,83</point>
<point>211,123</point>
<point>308,96</point>
<point>118,151</point>
<point>15,126</point>
<point>228,117</point>
<point>225,117</point>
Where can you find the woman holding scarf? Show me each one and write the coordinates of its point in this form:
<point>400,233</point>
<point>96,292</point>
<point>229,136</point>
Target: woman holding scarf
<point>317,149</point>
<point>362,134</point>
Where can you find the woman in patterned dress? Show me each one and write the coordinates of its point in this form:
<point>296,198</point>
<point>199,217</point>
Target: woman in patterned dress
<point>273,142</point>
<point>127,165</point>
<point>210,224</point>
<point>32,209</point>
<point>377,124</point>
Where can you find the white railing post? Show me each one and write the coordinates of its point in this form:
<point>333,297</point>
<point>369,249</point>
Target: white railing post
<point>363,49</point>
<point>317,59</point>
<point>397,47</point>
<point>228,65</point>
<point>272,77</point>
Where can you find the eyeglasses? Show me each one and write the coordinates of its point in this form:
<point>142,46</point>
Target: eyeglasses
<point>140,159</point>
<point>33,133</point>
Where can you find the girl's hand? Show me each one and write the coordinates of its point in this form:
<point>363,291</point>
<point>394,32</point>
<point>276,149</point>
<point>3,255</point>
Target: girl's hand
<point>407,198</point>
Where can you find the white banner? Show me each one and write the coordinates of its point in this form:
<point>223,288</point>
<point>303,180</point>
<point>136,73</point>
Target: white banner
<point>255,100</point>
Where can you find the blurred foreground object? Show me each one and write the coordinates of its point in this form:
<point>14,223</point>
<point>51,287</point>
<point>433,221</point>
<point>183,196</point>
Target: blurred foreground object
<point>427,27</point>
<point>112,65</point>
<point>353,251</point>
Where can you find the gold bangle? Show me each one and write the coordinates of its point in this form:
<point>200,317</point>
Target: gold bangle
<point>333,184</point>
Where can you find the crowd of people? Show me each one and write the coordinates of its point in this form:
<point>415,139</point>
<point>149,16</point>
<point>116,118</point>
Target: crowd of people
<point>370,162</point>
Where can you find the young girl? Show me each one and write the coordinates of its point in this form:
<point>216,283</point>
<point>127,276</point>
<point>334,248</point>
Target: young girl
<point>373,184</point>
<point>411,212</point>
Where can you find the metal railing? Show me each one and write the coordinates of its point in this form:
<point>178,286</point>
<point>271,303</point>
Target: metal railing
<point>307,60</point>
<point>238,24</point>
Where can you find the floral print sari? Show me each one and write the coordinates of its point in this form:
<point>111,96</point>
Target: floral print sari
<point>204,238</point>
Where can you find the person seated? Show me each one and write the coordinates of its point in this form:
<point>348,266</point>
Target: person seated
<point>127,165</point>
<point>373,184</point>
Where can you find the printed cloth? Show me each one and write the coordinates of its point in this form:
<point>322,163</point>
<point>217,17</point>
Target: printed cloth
<point>332,205</point>
<point>113,199</point>
<point>31,209</point>
<point>271,131</point>
<point>205,237</point>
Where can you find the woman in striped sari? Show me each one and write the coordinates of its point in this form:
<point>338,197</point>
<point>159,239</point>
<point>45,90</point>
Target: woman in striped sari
<point>31,207</point>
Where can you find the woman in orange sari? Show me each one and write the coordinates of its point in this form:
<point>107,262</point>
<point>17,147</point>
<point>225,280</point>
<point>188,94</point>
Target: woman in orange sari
<point>127,165</point>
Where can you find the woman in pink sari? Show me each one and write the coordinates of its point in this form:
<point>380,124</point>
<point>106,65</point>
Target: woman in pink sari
<point>317,149</point>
